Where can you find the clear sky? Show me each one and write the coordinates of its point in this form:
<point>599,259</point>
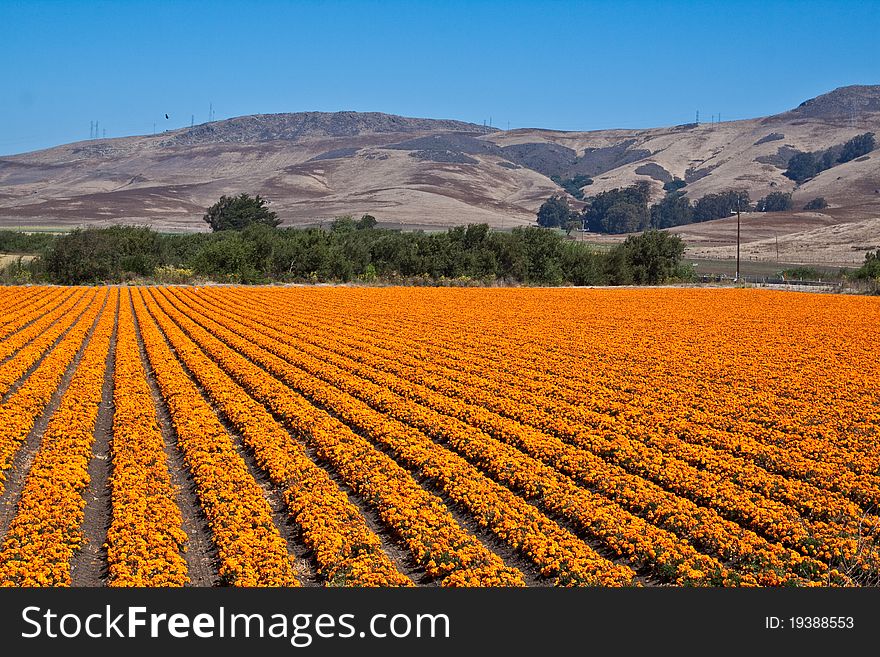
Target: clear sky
<point>553,64</point>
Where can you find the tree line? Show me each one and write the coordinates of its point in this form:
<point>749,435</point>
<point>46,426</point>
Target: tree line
<point>250,248</point>
<point>803,166</point>
<point>627,209</point>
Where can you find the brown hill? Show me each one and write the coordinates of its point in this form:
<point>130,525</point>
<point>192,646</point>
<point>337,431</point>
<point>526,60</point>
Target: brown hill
<point>434,173</point>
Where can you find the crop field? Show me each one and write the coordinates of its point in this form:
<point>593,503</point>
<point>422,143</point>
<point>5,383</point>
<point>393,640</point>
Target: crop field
<point>346,436</point>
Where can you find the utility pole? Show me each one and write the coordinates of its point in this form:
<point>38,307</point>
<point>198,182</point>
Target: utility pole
<point>192,120</point>
<point>736,280</point>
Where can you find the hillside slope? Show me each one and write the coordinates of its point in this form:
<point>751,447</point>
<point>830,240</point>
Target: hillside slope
<point>433,173</point>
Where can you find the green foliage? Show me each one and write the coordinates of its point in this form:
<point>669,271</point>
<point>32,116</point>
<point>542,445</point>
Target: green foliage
<point>171,275</point>
<point>870,269</point>
<point>343,224</point>
<point>18,272</point>
<point>102,254</point>
<point>239,212</point>
<point>652,257</point>
<point>856,147</point>
<point>260,254</point>
<point>674,185</point>
<point>775,202</point>
<point>803,166</point>
<point>718,206</point>
<point>801,273</point>
<point>12,241</point>
<point>573,185</point>
<point>818,203</point>
<point>674,210</point>
<point>619,210</point>
<point>366,222</point>
<point>554,213</point>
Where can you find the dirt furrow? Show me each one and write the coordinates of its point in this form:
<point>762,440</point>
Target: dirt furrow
<point>89,564</point>
<point>201,556</point>
<point>399,555</point>
<point>24,457</point>
<point>304,565</point>
<point>15,386</point>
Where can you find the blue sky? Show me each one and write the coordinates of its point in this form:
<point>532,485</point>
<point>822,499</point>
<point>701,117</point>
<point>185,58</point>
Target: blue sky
<point>561,65</point>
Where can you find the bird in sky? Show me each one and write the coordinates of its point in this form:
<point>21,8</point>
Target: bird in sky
<point>166,116</point>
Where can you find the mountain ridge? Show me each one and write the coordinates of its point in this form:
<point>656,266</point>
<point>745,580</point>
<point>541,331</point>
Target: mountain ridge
<point>433,173</point>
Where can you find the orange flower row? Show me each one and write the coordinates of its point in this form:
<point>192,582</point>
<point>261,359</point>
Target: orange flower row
<point>770,563</point>
<point>556,551</point>
<point>20,411</point>
<point>20,330</point>
<point>839,539</point>
<point>477,412</point>
<point>416,516</point>
<point>251,550</point>
<point>518,397</point>
<point>22,304</point>
<point>627,535</point>
<point>347,552</point>
<point>32,342</point>
<point>45,533</point>
<point>145,537</point>
<point>765,436</point>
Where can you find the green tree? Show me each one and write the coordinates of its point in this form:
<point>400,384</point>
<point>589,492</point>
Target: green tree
<point>619,210</point>
<point>674,210</point>
<point>554,213</point>
<point>239,212</point>
<point>802,166</point>
<point>870,269</point>
<point>343,224</point>
<point>674,185</point>
<point>652,257</point>
<point>366,222</point>
<point>573,185</point>
<point>856,147</point>
<point>818,203</point>
<point>718,206</point>
<point>775,202</point>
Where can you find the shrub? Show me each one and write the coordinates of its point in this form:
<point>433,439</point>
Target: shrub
<point>674,185</point>
<point>650,258</point>
<point>818,203</point>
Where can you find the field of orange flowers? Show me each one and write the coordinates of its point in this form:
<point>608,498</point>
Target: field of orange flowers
<point>346,436</point>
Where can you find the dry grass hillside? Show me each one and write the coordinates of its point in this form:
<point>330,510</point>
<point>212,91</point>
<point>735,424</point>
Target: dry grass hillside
<point>434,173</point>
